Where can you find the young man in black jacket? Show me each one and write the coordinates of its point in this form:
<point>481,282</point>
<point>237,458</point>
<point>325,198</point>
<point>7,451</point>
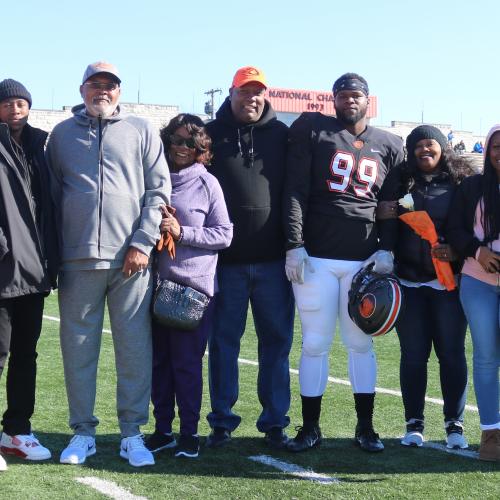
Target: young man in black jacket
<point>28,264</point>
<point>249,146</point>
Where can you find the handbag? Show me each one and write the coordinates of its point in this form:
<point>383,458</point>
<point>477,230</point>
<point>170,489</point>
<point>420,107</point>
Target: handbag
<point>178,306</point>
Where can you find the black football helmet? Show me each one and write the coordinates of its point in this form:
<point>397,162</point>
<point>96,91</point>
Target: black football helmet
<point>374,301</point>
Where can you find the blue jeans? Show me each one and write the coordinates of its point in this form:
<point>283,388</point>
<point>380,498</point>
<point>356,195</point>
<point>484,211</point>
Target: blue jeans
<point>270,294</point>
<point>432,317</point>
<point>482,308</point>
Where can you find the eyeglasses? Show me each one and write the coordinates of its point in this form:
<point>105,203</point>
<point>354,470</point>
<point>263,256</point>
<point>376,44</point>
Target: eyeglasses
<point>177,140</point>
<point>109,86</point>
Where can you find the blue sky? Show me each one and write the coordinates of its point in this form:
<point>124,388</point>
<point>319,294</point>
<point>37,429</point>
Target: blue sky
<point>436,57</point>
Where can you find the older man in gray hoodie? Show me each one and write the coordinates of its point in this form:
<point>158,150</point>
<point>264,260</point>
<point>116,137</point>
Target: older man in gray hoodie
<point>109,177</point>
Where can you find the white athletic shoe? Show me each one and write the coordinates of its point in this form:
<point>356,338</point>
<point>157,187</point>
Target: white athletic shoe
<point>413,438</point>
<point>78,449</point>
<point>134,449</point>
<point>455,438</point>
<point>3,464</point>
<point>414,433</point>
<point>24,446</point>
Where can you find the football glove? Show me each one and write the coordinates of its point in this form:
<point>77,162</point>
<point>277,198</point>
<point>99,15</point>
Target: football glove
<point>296,260</point>
<point>382,260</point>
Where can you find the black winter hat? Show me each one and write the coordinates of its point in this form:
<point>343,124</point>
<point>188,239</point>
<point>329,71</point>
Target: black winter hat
<point>10,88</point>
<point>424,132</point>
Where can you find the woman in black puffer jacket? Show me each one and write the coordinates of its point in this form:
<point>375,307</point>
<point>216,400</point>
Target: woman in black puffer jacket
<point>432,316</point>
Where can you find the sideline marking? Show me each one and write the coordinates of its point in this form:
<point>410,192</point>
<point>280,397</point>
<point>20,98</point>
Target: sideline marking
<point>108,488</point>
<point>442,447</point>
<point>334,380</point>
<point>377,389</point>
<point>294,470</point>
<point>54,318</point>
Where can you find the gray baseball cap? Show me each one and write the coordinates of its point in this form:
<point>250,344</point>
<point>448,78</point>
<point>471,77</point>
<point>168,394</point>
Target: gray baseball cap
<point>100,67</point>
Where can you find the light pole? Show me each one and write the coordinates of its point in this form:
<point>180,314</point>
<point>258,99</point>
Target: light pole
<point>209,105</point>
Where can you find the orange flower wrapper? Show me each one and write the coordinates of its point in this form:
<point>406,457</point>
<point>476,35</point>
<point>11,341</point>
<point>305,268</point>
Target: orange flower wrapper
<point>422,224</point>
<point>166,241</point>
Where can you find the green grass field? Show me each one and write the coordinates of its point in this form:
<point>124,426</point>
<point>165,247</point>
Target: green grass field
<point>228,473</point>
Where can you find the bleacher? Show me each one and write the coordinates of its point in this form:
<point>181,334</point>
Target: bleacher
<point>476,160</point>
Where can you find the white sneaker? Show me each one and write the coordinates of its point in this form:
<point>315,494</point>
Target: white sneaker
<point>24,446</point>
<point>134,449</point>
<point>413,438</point>
<point>78,449</point>
<point>3,464</point>
<point>455,438</point>
<point>414,433</point>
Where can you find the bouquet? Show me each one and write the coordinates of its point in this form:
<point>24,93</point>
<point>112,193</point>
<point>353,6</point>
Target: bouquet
<point>422,224</point>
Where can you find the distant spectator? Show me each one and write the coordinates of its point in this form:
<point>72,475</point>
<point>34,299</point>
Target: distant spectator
<point>459,148</point>
<point>450,139</point>
<point>478,148</point>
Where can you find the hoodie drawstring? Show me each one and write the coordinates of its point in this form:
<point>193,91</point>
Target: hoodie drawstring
<point>90,135</point>
<point>251,155</point>
<point>250,151</point>
<point>239,142</point>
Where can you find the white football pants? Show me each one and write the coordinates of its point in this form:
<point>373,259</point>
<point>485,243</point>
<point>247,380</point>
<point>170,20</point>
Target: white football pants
<point>323,297</point>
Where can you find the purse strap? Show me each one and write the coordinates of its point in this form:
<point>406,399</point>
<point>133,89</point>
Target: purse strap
<point>155,268</point>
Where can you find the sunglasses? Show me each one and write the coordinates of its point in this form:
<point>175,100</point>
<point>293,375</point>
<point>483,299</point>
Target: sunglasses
<point>109,86</point>
<point>177,140</point>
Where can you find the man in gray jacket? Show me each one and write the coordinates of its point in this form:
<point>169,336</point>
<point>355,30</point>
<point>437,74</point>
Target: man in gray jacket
<point>109,177</point>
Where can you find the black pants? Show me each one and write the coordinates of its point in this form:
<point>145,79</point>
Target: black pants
<point>20,326</point>
<point>432,318</point>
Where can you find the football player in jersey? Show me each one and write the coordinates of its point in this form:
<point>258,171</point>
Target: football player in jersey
<point>336,167</point>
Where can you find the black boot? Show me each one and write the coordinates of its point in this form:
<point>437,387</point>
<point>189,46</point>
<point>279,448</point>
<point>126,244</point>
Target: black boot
<point>309,435</point>
<point>366,437</point>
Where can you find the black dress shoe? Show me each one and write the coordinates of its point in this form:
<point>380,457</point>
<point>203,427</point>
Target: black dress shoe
<point>276,438</point>
<point>307,437</point>
<point>368,440</point>
<point>218,437</point>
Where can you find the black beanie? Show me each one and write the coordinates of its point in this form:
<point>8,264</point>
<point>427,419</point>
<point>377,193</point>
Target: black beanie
<point>424,132</point>
<point>10,88</point>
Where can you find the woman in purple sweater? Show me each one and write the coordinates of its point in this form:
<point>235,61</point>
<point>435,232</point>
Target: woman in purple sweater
<point>200,228</point>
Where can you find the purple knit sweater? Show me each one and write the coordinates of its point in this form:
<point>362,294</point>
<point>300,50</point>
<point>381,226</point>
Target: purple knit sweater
<point>202,214</point>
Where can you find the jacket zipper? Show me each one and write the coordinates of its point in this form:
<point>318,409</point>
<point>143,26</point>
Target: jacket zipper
<point>27,183</point>
<point>422,244</point>
<point>101,181</point>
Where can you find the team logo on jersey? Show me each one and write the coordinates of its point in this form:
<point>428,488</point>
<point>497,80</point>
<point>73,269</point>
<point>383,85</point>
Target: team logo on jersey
<point>358,144</point>
<point>367,305</point>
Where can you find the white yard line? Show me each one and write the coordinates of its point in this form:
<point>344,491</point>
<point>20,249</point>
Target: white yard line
<point>460,453</point>
<point>380,390</point>
<point>295,470</point>
<point>108,488</point>
<point>54,318</point>
<point>333,380</point>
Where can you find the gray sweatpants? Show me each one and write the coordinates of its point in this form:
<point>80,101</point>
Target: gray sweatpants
<point>82,295</point>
